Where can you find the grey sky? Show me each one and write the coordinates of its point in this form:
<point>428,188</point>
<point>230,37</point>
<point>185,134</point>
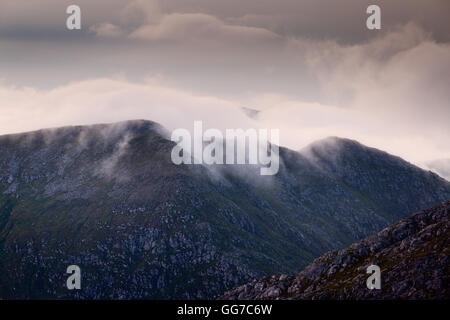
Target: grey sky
<point>317,19</point>
<point>201,44</point>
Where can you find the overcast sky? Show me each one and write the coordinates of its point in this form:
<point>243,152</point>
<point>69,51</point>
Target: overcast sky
<point>311,66</point>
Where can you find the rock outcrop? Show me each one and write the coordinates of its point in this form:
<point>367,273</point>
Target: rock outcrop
<point>413,255</point>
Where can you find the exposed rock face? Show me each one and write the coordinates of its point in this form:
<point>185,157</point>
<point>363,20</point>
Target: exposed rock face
<point>413,254</point>
<point>109,199</point>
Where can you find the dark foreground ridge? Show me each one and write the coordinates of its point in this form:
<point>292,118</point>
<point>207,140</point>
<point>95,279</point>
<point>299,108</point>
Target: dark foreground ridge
<point>413,255</point>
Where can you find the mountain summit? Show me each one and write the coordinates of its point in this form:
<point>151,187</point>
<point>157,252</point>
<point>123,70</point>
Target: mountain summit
<point>108,199</point>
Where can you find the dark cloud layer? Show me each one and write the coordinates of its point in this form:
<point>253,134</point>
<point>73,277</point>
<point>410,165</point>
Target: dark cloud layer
<point>341,20</point>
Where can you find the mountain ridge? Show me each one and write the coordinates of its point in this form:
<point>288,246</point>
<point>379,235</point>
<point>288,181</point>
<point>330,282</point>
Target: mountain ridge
<point>109,199</point>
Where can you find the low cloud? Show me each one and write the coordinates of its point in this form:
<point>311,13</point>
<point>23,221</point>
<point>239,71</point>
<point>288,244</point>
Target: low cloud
<point>110,100</point>
<point>199,27</point>
<point>106,30</point>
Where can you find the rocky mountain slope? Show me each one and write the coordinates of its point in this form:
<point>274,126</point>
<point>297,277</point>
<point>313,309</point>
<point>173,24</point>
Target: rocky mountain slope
<point>413,255</point>
<point>109,199</point>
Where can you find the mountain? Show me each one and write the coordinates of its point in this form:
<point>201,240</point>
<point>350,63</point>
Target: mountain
<point>250,112</point>
<point>109,199</point>
<point>413,256</point>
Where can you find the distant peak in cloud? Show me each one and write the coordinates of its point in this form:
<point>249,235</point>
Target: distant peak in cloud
<point>250,112</point>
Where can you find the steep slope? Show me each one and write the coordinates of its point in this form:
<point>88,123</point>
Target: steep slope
<point>413,255</point>
<point>109,199</point>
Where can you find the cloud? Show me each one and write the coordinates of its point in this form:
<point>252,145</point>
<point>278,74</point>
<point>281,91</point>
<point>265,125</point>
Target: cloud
<point>441,167</point>
<point>402,73</point>
<point>199,27</point>
<point>342,20</point>
<point>106,30</point>
<point>110,100</point>
<point>390,93</point>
